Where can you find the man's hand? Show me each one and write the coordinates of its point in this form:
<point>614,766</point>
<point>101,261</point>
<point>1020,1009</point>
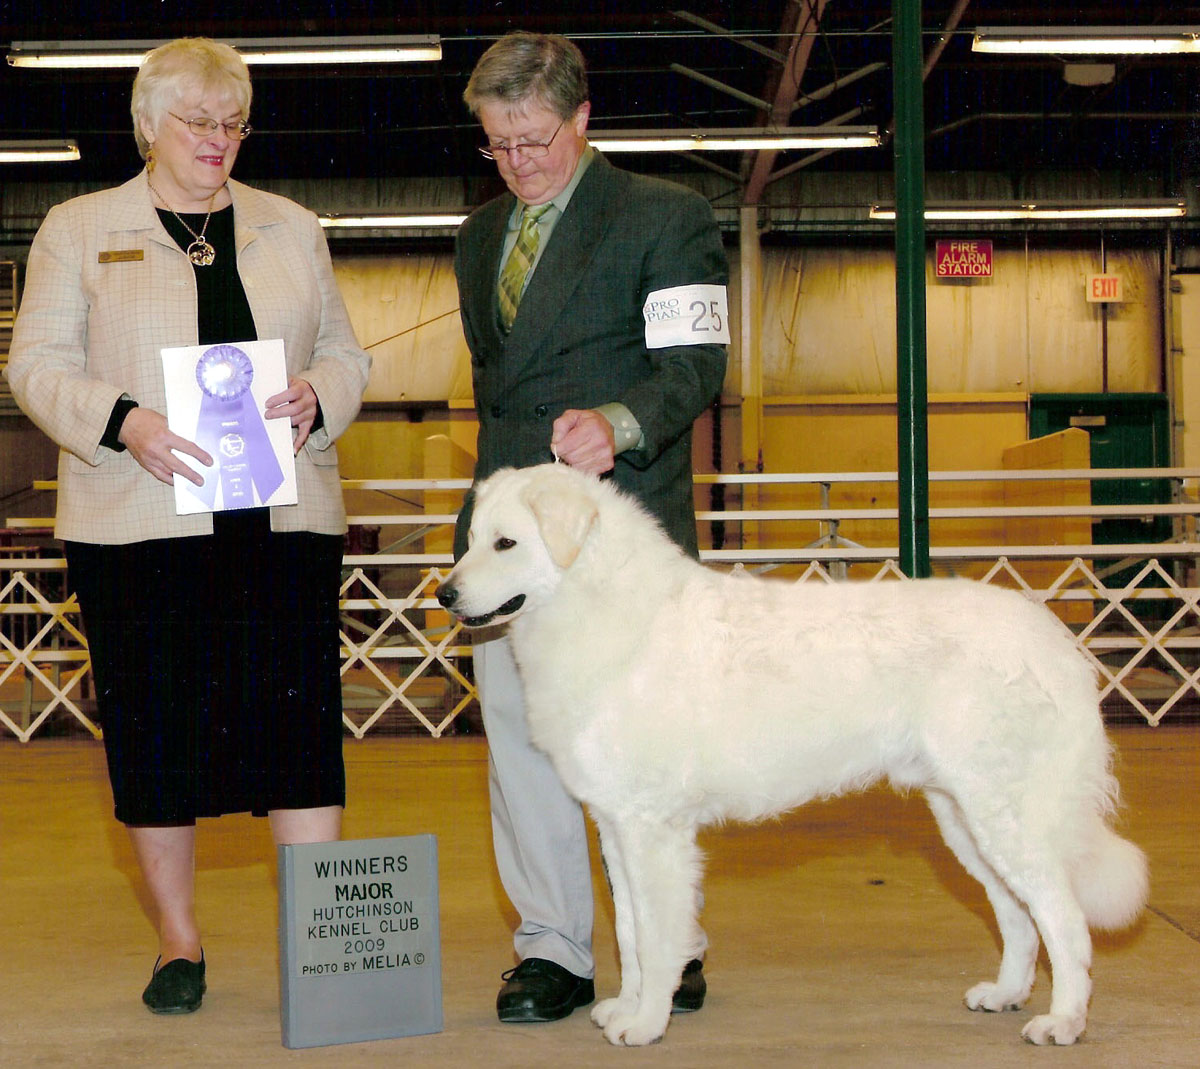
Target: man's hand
<point>584,439</point>
<point>297,403</point>
<point>153,445</point>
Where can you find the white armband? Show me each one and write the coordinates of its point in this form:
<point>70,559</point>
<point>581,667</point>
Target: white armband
<point>687,315</point>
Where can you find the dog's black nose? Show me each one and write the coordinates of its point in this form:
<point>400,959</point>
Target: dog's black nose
<point>447,596</point>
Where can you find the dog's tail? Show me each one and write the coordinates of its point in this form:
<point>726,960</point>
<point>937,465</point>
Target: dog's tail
<point>1110,878</point>
<point>1109,874</point>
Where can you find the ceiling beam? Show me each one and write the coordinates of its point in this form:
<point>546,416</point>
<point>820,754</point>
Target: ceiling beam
<point>836,84</point>
<point>720,31</point>
<point>935,53</point>
<point>721,87</point>
<point>808,18</point>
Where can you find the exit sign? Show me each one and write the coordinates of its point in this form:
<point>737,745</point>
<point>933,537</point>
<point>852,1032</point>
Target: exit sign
<point>1104,288</point>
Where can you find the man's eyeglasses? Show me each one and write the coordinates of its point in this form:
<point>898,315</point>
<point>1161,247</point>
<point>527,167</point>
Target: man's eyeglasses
<point>204,127</point>
<point>531,150</point>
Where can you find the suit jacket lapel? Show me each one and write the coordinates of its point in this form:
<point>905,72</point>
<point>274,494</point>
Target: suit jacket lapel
<point>134,209</point>
<point>577,235</point>
<point>483,268</point>
<point>252,212</point>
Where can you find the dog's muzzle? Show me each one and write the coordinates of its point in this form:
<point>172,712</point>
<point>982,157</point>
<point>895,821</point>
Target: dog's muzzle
<point>448,595</point>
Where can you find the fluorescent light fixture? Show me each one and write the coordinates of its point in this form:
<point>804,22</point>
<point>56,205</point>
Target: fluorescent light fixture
<point>262,51</point>
<point>38,151</point>
<point>426,49</point>
<point>1081,211</point>
<point>1087,40</point>
<point>734,140</point>
<point>398,221</point>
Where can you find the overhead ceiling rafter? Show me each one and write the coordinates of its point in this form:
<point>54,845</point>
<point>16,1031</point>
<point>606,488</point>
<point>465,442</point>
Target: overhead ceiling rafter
<point>720,31</point>
<point>935,53</point>
<point>787,91</point>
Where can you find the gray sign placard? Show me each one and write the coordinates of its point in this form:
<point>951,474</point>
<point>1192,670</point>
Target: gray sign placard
<point>359,940</point>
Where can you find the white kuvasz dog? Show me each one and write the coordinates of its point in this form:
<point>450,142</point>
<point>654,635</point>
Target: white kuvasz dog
<point>670,696</point>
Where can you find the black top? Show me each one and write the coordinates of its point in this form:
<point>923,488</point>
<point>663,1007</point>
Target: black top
<point>223,313</point>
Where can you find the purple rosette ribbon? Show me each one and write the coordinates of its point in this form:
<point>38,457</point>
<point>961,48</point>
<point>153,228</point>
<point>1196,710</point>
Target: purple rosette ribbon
<point>231,430</point>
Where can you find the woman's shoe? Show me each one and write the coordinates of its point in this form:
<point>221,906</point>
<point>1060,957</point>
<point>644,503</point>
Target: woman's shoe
<point>176,987</point>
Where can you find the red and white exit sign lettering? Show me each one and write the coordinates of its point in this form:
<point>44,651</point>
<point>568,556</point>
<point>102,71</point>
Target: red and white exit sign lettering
<point>1104,288</point>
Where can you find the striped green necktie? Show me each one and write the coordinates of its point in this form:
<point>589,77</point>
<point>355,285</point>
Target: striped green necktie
<point>516,268</point>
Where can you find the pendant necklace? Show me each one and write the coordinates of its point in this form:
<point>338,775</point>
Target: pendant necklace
<point>200,252</point>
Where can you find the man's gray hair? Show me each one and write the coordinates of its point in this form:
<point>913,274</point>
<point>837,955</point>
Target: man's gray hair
<point>523,68</point>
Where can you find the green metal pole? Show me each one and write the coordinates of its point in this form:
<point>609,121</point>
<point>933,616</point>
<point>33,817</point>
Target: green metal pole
<point>911,386</point>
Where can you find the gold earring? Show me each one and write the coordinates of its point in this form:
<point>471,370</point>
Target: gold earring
<point>150,160</point>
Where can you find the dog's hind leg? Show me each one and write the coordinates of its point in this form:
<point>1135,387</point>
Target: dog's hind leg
<point>660,865</point>
<point>1018,935</point>
<point>1069,946</point>
<point>1034,872</point>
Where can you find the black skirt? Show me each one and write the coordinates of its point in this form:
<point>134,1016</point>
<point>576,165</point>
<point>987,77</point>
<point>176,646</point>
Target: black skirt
<point>217,669</point>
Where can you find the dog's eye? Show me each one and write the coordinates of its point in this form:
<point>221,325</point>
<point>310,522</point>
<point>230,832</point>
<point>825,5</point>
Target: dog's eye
<point>503,543</point>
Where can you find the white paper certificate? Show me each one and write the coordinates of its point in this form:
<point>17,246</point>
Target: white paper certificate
<point>216,397</point>
<point>687,315</point>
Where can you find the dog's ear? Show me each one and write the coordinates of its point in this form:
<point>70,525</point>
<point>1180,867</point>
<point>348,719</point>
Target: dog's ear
<point>564,516</point>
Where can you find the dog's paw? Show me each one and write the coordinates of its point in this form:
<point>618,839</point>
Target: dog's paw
<point>1053,1028</point>
<point>992,999</point>
<point>634,1029</point>
<point>606,1009</point>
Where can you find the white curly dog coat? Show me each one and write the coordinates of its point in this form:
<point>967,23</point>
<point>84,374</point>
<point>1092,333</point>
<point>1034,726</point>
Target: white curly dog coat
<point>670,696</point>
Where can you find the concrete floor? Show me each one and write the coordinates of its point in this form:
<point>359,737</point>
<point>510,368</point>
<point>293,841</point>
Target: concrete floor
<point>843,935</point>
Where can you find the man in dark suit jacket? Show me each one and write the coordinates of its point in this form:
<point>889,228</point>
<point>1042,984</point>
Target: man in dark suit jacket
<point>593,302</point>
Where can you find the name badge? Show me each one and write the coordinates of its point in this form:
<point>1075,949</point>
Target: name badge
<point>120,256</point>
<point>687,315</point>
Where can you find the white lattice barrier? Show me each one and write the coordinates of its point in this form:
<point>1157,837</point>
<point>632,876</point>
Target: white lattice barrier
<point>42,652</point>
<point>404,664</point>
<point>395,638</point>
<point>1117,633</point>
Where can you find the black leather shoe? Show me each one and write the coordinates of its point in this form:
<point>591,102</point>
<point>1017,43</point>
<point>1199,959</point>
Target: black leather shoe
<point>689,996</point>
<point>177,987</point>
<point>540,990</point>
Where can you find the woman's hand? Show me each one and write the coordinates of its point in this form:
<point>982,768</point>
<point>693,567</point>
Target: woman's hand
<point>297,403</point>
<point>153,445</point>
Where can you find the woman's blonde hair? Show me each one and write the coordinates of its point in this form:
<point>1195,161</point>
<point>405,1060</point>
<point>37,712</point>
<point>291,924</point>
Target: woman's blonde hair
<point>182,66</point>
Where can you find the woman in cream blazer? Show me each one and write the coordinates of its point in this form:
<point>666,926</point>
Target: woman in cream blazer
<point>213,636</point>
<point>108,288</point>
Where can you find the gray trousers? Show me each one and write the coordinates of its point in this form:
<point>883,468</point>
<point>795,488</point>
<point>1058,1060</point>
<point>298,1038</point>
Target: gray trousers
<point>539,833</point>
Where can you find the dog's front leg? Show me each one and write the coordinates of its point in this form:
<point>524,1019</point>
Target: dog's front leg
<point>660,866</point>
<point>626,1001</point>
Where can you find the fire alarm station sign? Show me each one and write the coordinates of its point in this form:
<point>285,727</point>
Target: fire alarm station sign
<point>964,259</point>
